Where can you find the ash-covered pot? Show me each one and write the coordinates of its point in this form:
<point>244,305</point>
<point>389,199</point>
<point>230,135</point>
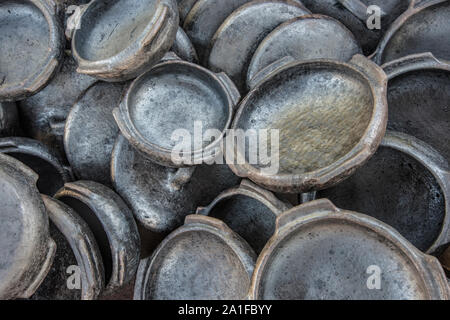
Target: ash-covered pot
<point>419,99</point>
<point>406,184</point>
<point>45,162</point>
<point>77,270</point>
<point>32,46</point>
<point>43,115</point>
<point>357,17</point>
<point>26,249</point>
<point>248,210</point>
<point>9,119</point>
<point>422,28</point>
<point>113,226</point>
<point>324,118</point>
<point>117,40</point>
<point>236,40</point>
<point>321,252</point>
<point>173,99</point>
<point>202,260</point>
<point>90,131</point>
<point>161,197</point>
<point>305,38</point>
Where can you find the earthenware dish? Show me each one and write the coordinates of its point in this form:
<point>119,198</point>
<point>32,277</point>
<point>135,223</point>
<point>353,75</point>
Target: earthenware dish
<point>325,119</point>
<point>305,38</point>
<point>120,39</point>
<point>321,252</point>
<point>177,98</point>
<point>236,40</point>
<point>32,47</point>
<point>202,260</point>
<point>26,249</point>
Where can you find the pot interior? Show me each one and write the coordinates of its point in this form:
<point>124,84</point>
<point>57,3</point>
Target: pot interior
<point>419,105</point>
<point>321,110</point>
<point>329,260</point>
<point>24,39</point>
<point>55,284</point>
<point>110,26</point>
<point>196,265</point>
<point>248,217</point>
<point>89,216</point>
<point>176,97</point>
<point>396,189</point>
<point>50,178</point>
<point>426,31</point>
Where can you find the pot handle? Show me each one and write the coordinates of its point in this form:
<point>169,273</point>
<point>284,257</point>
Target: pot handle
<point>205,220</point>
<point>263,73</point>
<point>411,63</point>
<point>304,210</point>
<point>74,21</point>
<point>231,88</point>
<point>180,178</point>
<point>358,9</point>
<point>374,72</point>
<point>161,14</point>
<point>170,56</point>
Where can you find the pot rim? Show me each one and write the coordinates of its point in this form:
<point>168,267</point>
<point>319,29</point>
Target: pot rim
<point>120,62</point>
<point>250,190</point>
<point>83,244</point>
<point>427,267</point>
<point>414,62</point>
<point>322,178</point>
<point>194,223</point>
<point>162,155</point>
<point>34,83</point>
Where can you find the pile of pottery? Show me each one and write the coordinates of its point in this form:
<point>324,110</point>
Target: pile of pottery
<point>95,205</point>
